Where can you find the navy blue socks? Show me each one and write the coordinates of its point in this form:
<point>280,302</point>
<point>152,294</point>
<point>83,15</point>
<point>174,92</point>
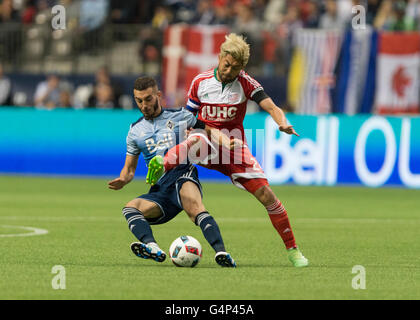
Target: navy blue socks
<point>138,225</point>
<point>210,230</point>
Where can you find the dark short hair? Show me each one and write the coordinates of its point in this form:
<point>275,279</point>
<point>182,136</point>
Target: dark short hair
<point>142,83</point>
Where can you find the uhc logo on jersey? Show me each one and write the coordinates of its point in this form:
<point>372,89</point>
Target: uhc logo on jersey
<point>217,113</point>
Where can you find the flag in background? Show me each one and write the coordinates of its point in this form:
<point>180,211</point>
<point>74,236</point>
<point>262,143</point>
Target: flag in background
<point>397,78</point>
<point>359,71</point>
<point>203,48</point>
<point>355,72</point>
<point>368,96</point>
<point>296,75</point>
<point>174,48</point>
<point>311,74</point>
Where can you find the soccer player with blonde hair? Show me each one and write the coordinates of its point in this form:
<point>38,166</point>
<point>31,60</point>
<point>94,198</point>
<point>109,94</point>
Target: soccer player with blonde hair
<point>220,97</point>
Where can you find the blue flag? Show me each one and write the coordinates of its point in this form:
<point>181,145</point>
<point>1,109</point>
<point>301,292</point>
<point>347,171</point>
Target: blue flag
<point>355,73</point>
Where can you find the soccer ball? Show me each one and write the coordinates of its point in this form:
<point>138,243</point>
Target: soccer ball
<point>185,251</point>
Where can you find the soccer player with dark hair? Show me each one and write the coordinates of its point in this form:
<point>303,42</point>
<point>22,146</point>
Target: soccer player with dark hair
<point>154,134</point>
<point>219,97</point>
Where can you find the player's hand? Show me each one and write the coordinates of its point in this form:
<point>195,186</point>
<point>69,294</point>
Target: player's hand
<point>288,130</point>
<point>236,143</point>
<point>116,184</point>
<point>188,132</point>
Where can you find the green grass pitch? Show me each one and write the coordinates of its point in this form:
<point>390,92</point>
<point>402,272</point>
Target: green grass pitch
<point>336,228</point>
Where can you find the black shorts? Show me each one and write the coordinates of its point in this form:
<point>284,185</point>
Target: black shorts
<point>165,193</point>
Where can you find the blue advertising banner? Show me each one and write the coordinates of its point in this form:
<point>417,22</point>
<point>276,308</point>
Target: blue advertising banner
<point>367,150</point>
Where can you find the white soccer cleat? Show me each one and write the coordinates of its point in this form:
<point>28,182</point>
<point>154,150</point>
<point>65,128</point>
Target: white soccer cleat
<point>148,251</point>
<point>225,260</point>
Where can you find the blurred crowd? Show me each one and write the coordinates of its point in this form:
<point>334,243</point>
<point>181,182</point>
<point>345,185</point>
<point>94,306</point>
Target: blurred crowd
<point>56,91</point>
<point>267,24</point>
<point>285,15</point>
<point>248,15</point>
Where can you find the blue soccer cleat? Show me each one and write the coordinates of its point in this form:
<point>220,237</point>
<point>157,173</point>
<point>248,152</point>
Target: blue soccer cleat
<point>225,260</point>
<point>148,251</point>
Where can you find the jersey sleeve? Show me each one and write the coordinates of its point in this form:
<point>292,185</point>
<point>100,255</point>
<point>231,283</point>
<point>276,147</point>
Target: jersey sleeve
<point>189,118</point>
<point>250,85</point>
<point>132,147</point>
<point>193,103</point>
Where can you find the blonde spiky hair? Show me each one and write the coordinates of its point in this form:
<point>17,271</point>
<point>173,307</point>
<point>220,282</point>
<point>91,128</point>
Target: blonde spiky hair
<point>237,47</point>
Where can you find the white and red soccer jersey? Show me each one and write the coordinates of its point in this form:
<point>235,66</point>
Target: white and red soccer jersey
<point>222,105</point>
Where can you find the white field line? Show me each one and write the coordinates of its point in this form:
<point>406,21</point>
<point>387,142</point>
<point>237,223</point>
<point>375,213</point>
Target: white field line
<point>34,231</point>
<point>84,219</point>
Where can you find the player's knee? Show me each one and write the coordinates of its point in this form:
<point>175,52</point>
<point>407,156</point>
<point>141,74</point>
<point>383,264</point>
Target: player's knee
<point>132,204</point>
<point>148,209</point>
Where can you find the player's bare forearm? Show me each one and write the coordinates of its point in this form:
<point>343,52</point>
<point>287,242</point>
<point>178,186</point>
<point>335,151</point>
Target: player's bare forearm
<point>276,113</point>
<point>222,139</point>
<point>278,116</point>
<point>126,174</point>
<point>121,181</point>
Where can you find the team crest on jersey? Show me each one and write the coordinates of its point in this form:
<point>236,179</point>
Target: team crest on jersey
<point>170,125</point>
<point>233,97</point>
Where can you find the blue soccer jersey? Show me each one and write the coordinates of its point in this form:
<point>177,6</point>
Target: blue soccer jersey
<point>156,136</point>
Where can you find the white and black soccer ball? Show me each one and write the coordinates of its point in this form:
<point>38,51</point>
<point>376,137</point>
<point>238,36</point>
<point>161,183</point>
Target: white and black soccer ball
<point>185,251</point>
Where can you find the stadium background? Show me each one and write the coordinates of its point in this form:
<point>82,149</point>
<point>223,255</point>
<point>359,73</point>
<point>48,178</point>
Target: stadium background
<point>309,56</point>
<point>353,96</point>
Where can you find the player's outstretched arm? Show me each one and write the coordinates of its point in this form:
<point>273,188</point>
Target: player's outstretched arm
<point>126,175</point>
<point>278,116</point>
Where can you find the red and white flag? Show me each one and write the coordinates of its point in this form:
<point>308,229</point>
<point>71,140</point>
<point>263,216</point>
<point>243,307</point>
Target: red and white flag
<point>202,50</point>
<point>174,48</point>
<point>397,77</point>
<point>188,51</point>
